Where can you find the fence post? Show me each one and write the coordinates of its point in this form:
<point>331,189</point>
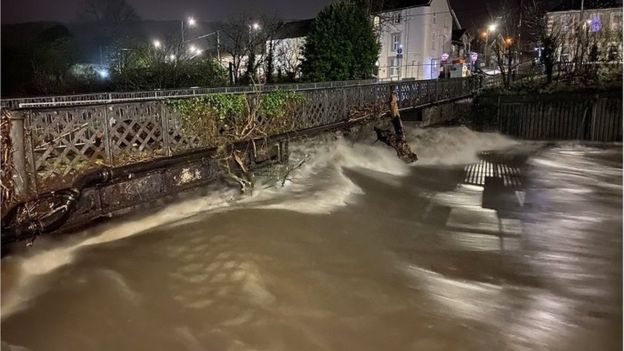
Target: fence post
<point>19,153</point>
<point>594,116</point>
<point>164,124</point>
<point>107,135</point>
<point>498,115</point>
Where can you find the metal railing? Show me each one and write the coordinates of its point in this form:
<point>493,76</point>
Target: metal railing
<point>100,98</point>
<point>56,143</point>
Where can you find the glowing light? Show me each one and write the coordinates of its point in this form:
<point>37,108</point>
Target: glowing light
<point>157,44</point>
<point>172,57</point>
<point>492,27</point>
<point>103,73</point>
<point>191,22</point>
<point>192,49</point>
<point>255,26</point>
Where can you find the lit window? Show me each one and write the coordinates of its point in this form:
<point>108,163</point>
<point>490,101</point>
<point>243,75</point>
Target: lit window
<point>395,41</point>
<point>395,64</point>
<point>396,18</point>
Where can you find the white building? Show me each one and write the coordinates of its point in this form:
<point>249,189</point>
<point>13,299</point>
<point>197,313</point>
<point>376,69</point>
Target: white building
<point>415,36</point>
<point>287,45</point>
<point>601,27</point>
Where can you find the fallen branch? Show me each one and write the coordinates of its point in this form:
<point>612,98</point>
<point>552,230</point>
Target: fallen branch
<point>396,139</point>
<point>290,170</point>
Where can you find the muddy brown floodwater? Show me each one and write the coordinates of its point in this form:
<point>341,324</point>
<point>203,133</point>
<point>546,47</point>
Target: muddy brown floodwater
<point>515,248</point>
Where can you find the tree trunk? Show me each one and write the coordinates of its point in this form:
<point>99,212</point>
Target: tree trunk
<point>396,139</point>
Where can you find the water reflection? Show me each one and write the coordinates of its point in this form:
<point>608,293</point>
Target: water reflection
<point>516,250</point>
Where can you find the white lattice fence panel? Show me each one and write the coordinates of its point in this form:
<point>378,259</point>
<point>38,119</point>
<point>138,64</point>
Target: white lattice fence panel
<point>136,131</point>
<point>180,138</point>
<point>64,142</point>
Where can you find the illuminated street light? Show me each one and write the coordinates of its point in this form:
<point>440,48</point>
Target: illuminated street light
<point>492,27</point>
<point>484,34</point>
<point>508,41</point>
<point>192,49</point>
<point>157,44</point>
<point>172,57</point>
<point>255,26</point>
<point>103,73</point>
<point>190,23</point>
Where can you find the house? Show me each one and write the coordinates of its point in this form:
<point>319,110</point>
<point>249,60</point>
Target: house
<point>415,37</point>
<point>460,43</point>
<point>287,48</point>
<point>594,33</point>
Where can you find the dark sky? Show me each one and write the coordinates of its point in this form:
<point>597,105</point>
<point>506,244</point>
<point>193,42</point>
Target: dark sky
<point>470,12</point>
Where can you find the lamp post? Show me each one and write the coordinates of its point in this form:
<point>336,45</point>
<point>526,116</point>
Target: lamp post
<point>486,34</point>
<point>191,23</point>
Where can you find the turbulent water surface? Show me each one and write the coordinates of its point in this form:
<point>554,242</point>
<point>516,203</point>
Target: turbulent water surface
<point>514,248</point>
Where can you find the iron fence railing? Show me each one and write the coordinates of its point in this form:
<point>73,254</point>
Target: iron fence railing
<point>60,142</point>
<point>98,98</point>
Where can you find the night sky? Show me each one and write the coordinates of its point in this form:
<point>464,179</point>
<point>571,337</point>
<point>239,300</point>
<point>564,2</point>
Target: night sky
<point>471,13</point>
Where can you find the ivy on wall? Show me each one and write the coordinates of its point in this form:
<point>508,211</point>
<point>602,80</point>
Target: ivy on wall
<point>224,118</point>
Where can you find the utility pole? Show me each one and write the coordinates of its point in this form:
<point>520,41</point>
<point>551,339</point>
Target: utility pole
<point>518,47</point>
<point>218,48</point>
<point>182,30</point>
<point>578,32</point>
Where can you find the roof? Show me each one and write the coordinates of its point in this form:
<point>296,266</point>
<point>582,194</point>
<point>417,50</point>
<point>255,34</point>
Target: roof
<point>457,34</point>
<point>394,5</point>
<point>575,5</point>
<point>294,29</point>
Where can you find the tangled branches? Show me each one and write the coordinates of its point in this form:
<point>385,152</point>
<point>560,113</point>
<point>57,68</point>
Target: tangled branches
<point>223,120</point>
<point>6,181</point>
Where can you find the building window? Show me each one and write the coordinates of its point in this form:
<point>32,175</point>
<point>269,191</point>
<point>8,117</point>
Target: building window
<point>396,18</point>
<point>395,64</point>
<point>395,41</point>
<point>616,22</point>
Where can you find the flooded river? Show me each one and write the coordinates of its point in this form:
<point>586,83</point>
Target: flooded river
<point>483,244</point>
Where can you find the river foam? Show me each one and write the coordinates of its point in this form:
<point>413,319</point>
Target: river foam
<point>319,186</point>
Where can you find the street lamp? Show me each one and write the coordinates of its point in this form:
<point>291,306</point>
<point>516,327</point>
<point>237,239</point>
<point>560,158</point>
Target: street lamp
<point>172,57</point>
<point>255,26</point>
<point>192,49</point>
<point>191,23</point>
<point>486,34</point>
<point>157,44</point>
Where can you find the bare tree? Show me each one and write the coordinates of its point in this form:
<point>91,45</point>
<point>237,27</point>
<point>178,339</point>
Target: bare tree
<point>503,44</point>
<point>246,43</point>
<point>108,11</point>
<point>288,56</point>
